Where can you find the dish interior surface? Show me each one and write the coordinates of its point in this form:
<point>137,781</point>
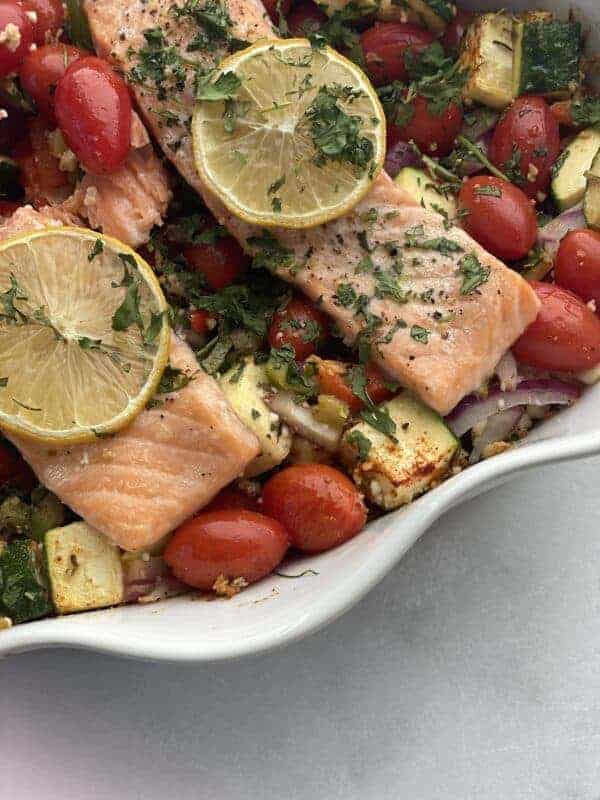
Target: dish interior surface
<point>279,610</point>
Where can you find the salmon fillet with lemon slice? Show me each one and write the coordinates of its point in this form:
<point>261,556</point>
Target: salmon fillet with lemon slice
<point>437,311</point>
<point>170,461</point>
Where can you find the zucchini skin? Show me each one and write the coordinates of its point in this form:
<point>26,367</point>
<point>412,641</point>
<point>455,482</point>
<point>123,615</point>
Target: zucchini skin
<point>550,55</point>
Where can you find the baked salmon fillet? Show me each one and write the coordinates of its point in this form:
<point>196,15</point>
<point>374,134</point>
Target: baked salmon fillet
<point>141,483</point>
<point>436,309</point>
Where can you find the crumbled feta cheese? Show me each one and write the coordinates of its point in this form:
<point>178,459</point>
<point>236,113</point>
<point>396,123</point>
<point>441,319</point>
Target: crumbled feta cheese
<point>11,37</point>
<point>3,113</point>
<point>532,173</point>
<point>32,15</point>
<point>592,305</point>
<point>68,161</point>
<point>91,196</point>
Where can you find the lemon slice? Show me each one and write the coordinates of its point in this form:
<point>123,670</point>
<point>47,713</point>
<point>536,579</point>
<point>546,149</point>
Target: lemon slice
<point>84,335</point>
<point>298,139</point>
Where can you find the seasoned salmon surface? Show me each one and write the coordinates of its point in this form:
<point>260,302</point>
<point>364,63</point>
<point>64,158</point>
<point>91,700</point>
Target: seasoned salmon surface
<point>141,483</point>
<point>436,309</point>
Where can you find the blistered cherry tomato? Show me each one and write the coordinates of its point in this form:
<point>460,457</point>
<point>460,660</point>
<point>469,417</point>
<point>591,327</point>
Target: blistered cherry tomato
<point>300,325</point>
<point>93,110</point>
<point>317,505</point>
<point>231,498</point>
<point>49,18</point>
<point>433,133</point>
<point>499,216</point>
<point>565,336</point>
<point>528,127</point>
<point>41,71</point>
<point>235,544</point>
<point>331,377</point>
<point>17,36</point>
<point>220,263</point>
<point>455,31</point>
<point>385,47</point>
<point>277,8</point>
<point>14,471</point>
<point>200,321</point>
<point>577,265</point>
<point>43,181</point>
<point>304,18</point>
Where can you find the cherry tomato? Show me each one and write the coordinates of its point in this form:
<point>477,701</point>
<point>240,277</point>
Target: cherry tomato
<point>529,127</point>
<point>455,31</point>
<point>50,17</point>
<point>300,325</point>
<point>41,71</point>
<point>577,265</point>
<point>43,181</point>
<point>500,217</point>
<point>277,8</point>
<point>14,471</point>
<point>220,263</point>
<point>17,36</point>
<point>565,336</point>
<point>199,320</point>
<point>305,17</point>
<point>385,47</point>
<point>318,506</point>
<point>93,110</point>
<point>432,133</point>
<point>236,544</point>
<point>331,376</point>
<point>231,498</point>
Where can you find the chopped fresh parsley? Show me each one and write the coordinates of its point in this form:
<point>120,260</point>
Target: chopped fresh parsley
<point>386,285</point>
<point>336,134</point>
<point>419,334</point>
<point>128,313</point>
<point>586,112</point>
<point>474,273</point>
<point>413,237</point>
<point>378,417</point>
<point>270,253</point>
<point>225,87</point>
<point>345,294</point>
<point>488,191</point>
<point>7,301</point>
<point>361,443</point>
<point>97,249</point>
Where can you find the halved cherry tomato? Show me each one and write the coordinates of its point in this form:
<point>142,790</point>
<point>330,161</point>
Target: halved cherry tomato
<point>577,265</point>
<point>199,320</point>
<point>528,127</point>
<point>565,336</point>
<point>235,544</point>
<point>231,498</point>
<point>455,31</point>
<point>50,17</point>
<point>300,325</point>
<point>433,133</point>
<point>93,110</point>
<point>385,47</point>
<point>331,377</point>
<point>14,471</point>
<point>43,181</point>
<point>304,18</point>
<point>317,505</point>
<point>220,263</point>
<point>18,36</point>
<point>41,71</point>
<point>277,8</point>
<point>500,217</point>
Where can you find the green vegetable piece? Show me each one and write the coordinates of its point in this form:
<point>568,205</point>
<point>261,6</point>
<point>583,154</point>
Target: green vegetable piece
<point>77,25</point>
<point>47,513</point>
<point>23,591</point>
<point>547,56</point>
<point>15,516</point>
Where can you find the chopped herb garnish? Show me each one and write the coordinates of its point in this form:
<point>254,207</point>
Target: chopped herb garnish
<point>97,249</point>
<point>488,191</point>
<point>361,442</point>
<point>419,334</point>
<point>154,328</point>
<point>386,285</point>
<point>345,294</point>
<point>474,273</point>
<point>271,254</point>
<point>379,418</point>
<point>586,112</point>
<point>128,313</point>
<point>225,87</point>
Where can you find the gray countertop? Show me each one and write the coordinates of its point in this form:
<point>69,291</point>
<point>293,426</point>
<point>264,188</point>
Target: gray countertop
<point>472,671</point>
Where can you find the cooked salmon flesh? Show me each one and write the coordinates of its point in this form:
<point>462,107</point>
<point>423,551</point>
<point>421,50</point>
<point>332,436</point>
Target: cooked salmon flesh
<point>436,309</point>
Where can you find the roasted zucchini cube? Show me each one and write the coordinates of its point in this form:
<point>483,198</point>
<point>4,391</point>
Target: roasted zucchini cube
<point>84,568</point>
<point>547,56</point>
<point>569,174</point>
<point>487,52</point>
<point>391,473</point>
<point>591,202</point>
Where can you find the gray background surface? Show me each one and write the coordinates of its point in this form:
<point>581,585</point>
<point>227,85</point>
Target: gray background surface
<point>472,671</point>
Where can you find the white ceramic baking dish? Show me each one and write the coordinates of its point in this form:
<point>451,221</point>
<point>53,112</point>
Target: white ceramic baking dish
<point>277,610</point>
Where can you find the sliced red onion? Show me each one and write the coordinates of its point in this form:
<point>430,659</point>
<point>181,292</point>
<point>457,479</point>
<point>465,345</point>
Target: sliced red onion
<point>470,165</point>
<point>506,372</point>
<point>300,419</point>
<point>473,409</point>
<point>402,154</point>
<point>498,428</point>
<point>149,579</point>
<point>549,237</point>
